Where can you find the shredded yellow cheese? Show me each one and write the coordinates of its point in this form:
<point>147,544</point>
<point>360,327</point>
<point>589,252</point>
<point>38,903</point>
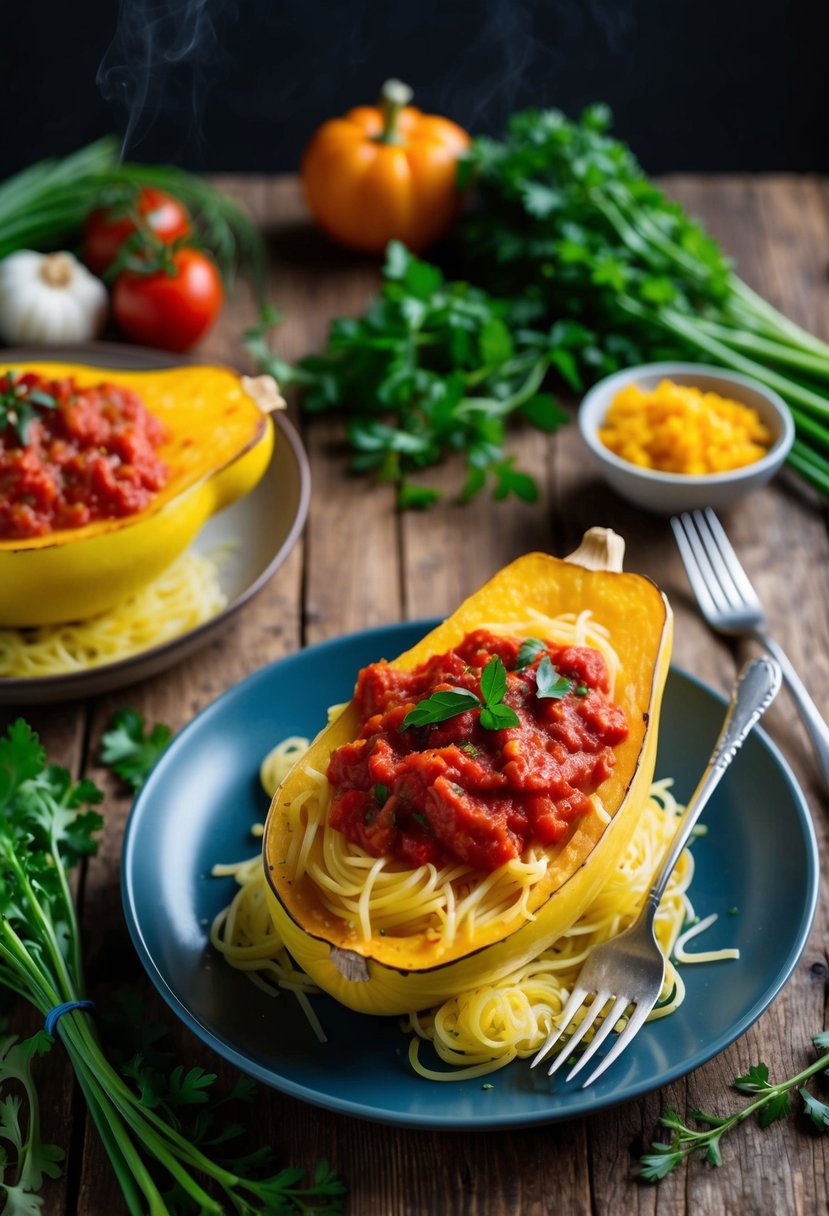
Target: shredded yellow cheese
<point>676,428</point>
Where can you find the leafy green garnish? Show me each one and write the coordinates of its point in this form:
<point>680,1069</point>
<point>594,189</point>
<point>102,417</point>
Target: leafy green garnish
<point>440,706</point>
<point>567,223</point>
<point>47,822</point>
<point>528,652</point>
<point>19,404</point>
<point>549,683</point>
<point>576,266</point>
<point>433,368</point>
<point>772,1103</point>
<point>448,704</point>
<point>381,793</point>
<point>129,750</point>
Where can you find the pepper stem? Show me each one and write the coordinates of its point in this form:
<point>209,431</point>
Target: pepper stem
<point>394,95</point>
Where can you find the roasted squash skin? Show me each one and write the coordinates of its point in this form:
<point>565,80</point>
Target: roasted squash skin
<point>391,975</point>
<point>219,445</point>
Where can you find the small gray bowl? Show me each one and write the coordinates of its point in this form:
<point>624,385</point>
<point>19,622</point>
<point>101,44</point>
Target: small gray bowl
<point>667,493</point>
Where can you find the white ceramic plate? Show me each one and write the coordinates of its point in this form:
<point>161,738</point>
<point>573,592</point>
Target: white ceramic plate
<point>260,531</point>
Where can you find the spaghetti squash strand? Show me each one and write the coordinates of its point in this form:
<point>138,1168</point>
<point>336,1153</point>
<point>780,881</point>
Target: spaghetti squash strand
<point>184,596</point>
<point>484,1029</point>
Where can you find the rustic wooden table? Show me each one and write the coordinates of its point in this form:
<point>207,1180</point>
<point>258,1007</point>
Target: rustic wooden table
<point>413,566</point>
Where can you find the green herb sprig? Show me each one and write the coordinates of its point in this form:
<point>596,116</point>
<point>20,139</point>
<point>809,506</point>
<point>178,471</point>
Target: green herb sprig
<point>772,1103</point>
<point>446,704</point>
<point>528,652</point>
<point>568,221</point>
<point>47,823</point>
<point>129,749</point>
<point>433,368</point>
<point>19,404</point>
<point>550,684</point>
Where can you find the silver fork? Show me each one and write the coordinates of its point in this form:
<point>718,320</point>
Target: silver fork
<point>730,605</point>
<point>630,969</point>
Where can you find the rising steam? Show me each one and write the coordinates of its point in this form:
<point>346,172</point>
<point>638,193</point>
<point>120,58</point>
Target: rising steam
<point>161,61</point>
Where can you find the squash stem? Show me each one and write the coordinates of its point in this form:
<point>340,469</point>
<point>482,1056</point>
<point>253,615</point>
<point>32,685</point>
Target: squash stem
<point>393,97</point>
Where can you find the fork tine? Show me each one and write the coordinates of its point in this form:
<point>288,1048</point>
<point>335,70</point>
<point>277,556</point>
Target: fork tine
<point>599,1002</point>
<point>722,569</point>
<point>684,533</point>
<point>610,1019</point>
<point>638,1016</point>
<point>702,546</point>
<point>729,557</point>
<point>565,1018</point>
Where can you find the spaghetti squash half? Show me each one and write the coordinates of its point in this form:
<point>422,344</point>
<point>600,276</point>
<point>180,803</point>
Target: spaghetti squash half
<point>347,937</point>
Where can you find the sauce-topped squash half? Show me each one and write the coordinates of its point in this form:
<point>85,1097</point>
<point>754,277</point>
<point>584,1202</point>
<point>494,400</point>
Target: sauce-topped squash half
<point>107,476</point>
<point>462,811</point>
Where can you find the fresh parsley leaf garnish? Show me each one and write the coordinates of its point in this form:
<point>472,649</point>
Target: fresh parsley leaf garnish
<point>528,652</point>
<point>498,717</point>
<point>448,704</point>
<point>128,750</point>
<point>550,684</point>
<point>772,1102</point>
<point>18,402</point>
<point>381,793</point>
<point>493,681</point>
<point>440,706</point>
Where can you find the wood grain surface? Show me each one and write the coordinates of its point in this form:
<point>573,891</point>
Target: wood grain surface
<point>360,564</point>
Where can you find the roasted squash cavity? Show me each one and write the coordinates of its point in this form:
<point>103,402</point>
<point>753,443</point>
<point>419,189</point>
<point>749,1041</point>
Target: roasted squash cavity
<point>395,974</point>
<point>219,443</point>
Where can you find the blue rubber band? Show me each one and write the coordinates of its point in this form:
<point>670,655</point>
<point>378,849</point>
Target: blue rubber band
<point>59,1010</point>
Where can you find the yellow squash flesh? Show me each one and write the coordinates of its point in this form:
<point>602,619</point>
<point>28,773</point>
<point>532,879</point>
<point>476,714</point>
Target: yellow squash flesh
<point>397,974</point>
<point>219,443</point>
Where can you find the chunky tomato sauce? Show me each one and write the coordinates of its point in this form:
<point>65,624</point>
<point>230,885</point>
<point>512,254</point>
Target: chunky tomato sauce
<point>71,455</point>
<point>454,791</point>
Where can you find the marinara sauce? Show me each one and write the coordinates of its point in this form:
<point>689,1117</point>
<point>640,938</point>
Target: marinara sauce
<point>454,791</point>
<point>72,455</point>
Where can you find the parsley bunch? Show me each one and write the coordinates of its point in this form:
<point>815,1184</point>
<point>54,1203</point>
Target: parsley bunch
<point>568,219</point>
<point>772,1103</point>
<point>433,368</point>
<point>47,823</point>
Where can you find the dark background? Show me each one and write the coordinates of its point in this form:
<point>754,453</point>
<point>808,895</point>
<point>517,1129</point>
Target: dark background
<point>241,84</point>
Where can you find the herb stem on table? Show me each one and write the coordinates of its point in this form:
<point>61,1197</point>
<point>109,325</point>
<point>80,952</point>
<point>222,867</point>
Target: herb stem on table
<point>46,825</point>
<point>772,1103</point>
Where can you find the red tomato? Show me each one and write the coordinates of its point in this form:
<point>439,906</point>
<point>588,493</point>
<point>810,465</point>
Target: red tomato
<point>171,311</point>
<point>107,228</point>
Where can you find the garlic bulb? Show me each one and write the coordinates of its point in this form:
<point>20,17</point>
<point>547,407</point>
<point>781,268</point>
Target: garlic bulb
<point>49,298</point>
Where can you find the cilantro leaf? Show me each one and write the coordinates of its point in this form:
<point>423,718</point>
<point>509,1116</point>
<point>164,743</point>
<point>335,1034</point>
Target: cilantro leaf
<point>449,703</point>
<point>498,717</point>
<point>440,706</point>
<point>21,404</point>
<point>528,652</point>
<point>128,751</point>
<point>494,681</point>
<point>549,683</point>
<point>755,1080</point>
<point>817,1111</point>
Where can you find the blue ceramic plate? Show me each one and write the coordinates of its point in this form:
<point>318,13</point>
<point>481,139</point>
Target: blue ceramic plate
<point>197,809</point>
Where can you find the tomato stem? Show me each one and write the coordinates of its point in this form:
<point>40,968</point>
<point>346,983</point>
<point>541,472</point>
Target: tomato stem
<point>393,97</point>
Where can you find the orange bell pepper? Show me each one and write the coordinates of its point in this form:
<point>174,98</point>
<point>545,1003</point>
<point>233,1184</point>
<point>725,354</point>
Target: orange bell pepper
<point>384,172</point>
